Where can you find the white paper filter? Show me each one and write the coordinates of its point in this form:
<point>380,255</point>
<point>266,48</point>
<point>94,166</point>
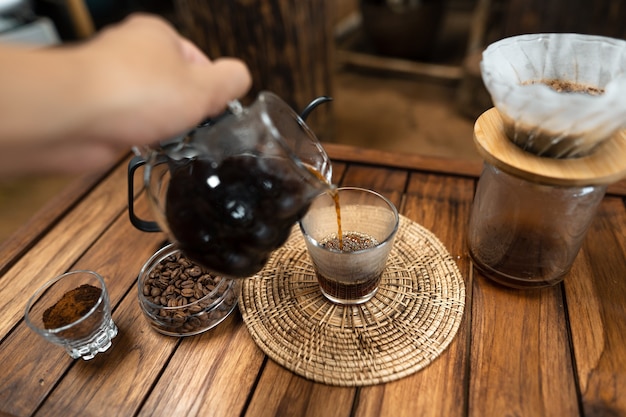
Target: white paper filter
<point>542,120</point>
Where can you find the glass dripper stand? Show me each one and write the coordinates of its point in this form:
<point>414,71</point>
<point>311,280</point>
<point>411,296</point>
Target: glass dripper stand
<point>549,155</point>
<point>530,213</point>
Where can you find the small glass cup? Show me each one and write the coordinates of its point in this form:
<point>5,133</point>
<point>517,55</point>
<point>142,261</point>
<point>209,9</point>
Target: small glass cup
<point>73,311</point>
<point>369,223</point>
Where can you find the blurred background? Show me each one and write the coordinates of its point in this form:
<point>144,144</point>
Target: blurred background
<point>404,74</point>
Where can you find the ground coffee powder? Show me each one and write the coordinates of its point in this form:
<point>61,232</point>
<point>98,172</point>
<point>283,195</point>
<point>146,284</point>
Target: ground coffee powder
<point>72,306</point>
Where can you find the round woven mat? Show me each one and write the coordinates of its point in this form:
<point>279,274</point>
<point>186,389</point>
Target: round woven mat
<point>412,318</point>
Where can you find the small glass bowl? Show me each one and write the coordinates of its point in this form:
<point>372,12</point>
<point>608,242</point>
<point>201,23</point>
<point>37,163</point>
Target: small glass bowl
<point>179,298</point>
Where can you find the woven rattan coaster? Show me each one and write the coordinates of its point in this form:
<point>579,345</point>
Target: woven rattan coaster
<point>412,318</point>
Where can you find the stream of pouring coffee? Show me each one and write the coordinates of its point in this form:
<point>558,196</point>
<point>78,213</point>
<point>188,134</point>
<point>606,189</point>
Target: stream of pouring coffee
<point>335,196</point>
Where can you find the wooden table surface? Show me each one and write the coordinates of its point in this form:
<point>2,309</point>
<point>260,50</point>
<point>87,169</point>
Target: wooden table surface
<point>559,351</point>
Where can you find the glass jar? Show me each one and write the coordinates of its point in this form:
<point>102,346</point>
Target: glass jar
<point>531,213</point>
<point>525,234</point>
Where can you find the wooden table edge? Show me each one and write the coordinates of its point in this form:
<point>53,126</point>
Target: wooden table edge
<point>49,214</point>
<point>437,164</point>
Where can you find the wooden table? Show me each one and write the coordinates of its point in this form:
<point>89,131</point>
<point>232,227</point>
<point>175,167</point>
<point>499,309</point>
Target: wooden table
<point>554,352</point>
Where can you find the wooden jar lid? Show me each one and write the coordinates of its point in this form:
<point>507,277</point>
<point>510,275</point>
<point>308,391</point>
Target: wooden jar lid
<point>606,165</point>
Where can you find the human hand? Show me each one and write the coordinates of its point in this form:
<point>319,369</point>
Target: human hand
<point>157,83</point>
<point>135,83</point>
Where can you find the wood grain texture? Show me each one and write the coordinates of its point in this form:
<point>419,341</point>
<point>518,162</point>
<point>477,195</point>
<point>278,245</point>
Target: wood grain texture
<point>287,44</point>
<point>441,206</point>
<point>596,301</point>
<point>44,218</point>
<point>114,382</point>
<point>50,213</point>
<point>453,166</point>
<point>211,374</point>
<point>35,366</point>
<point>520,358</point>
<point>606,165</point>
<point>55,252</point>
<point>381,180</point>
<point>556,351</point>
<point>282,393</point>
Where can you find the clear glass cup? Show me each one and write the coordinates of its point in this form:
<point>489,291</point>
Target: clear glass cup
<point>369,222</point>
<point>73,311</point>
<point>524,234</point>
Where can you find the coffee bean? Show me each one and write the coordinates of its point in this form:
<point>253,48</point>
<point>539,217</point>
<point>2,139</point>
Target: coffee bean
<point>194,271</point>
<point>188,284</point>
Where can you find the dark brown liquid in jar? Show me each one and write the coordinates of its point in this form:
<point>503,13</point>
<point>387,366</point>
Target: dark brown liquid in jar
<point>521,259</point>
<point>361,285</point>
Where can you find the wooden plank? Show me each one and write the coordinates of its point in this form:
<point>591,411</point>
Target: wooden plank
<point>210,374</point>
<point>596,304</point>
<point>114,383</point>
<point>30,365</point>
<point>398,65</point>
<point>55,252</point>
<point>33,365</point>
<point>516,344</point>
<point>520,357</point>
<point>23,238</point>
<point>36,366</point>
<point>338,169</point>
<point>619,188</point>
<point>454,166</point>
<point>382,180</point>
<point>441,205</point>
<point>282,393</point>
<point>49,214</point>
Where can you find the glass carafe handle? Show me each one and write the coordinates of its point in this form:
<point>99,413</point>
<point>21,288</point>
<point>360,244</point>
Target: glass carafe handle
<point>143,225</point>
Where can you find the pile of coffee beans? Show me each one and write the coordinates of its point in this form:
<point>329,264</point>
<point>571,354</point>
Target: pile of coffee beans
<point>185,297</point>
